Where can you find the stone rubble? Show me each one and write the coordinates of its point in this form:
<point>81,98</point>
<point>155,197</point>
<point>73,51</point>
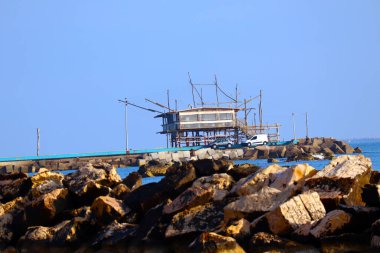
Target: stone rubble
<point>198,206</point>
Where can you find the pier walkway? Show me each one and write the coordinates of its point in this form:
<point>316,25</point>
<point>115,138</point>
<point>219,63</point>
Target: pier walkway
<point>96,154</point>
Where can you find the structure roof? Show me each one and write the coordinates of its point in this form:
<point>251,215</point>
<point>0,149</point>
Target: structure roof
<point>199,109</point>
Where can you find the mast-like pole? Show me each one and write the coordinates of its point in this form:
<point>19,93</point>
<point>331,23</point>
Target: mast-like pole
<point>192,88</point>
<point>38,142</point>
<point>126,125</point>
<point>216,91</point>
<point>307,127</point>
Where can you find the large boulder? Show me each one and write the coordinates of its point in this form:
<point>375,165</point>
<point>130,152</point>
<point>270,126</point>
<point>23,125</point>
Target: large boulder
<point>293,177</point>
<point>113,235</point>
<point>254,182</point>
<point>214,243</point>
<point>154,169</point>
<point>77,230</point>
<point>243,170</point>
<point>207,167</point>
<point>206,218</point>
<point>176,180</point>
<point>277,177</point>
<point>299,210</point>
<point>13,185</point>
<point>253,205</point>
<point>153,224</point>
<point>203,190</point>
<point>12,221</point>
<point>41,234</point>
<point>362,217</point>
<point>220,184</point>
<point>193,196</point>
<point>133,180</point>
<point>90,182</point>
<point>263,152</point>
<point>265,242</point>
<point>371,195</point>
<point>107,209</point>
<point>179,178</point>
<point>147,196</point>
<point>345,147</point>
<point>342,180</point>
<point>239,229</point>
<point>45,182</point>
<point>43,210</point>
<point>337,149</point>
<point>346,242</point>
<point>120,191</point>
<point>332,224</point>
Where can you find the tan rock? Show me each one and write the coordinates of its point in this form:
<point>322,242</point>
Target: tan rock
<point>107,209</point>
<point>208,217</point>
<point>256,204</point>
<point>345,176</point>
<point>45,182</point>
<point>294,176</point>
<point>220,184</point>
<point>253,183</point>
<point>264,242</point>
<point>193,196</point>
<point>42,234</point>
<point>44,209</point>
<point>301,209</point>
<point>120,191</point>
<point>212,242</point>
<point>239,229</point>
<point>332,223</point>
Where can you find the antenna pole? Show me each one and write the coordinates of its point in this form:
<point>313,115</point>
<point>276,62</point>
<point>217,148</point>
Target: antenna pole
<point>261,110</point>
<point>216,91</point>
<point>202,103</point>
<point>236,96</point>
<point>294,126</point>
<point>38,142</point>
<point>245,112</point>
<point>126,125</point>
<point>176,105</point>
<point>307,127</point>
<point>192,88</point>
<point>167,93</point>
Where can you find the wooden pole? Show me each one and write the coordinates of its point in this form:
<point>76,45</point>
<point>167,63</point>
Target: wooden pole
<point>245,112</point>
<point>38,142</point>
<point>216,91</point>
<point>126,125</point>
<point>307,127</point>
<point>261,110</point>
<point>236,96</point>
<point>192,88</point>
<point>167,93</point>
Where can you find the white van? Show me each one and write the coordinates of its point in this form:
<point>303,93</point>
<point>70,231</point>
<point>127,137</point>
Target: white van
<point>259,139</point>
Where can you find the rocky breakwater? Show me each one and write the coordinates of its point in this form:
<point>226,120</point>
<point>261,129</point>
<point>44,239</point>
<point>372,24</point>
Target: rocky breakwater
<point>306,150</point>
<point>199,206</point>
<point>156,164</point>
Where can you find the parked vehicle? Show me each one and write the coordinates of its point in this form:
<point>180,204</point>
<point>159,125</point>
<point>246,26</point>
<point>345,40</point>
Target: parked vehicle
<point>221,142</point>
<point>256,140</point>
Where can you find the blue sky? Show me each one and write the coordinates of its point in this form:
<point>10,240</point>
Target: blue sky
<point>64,64</point>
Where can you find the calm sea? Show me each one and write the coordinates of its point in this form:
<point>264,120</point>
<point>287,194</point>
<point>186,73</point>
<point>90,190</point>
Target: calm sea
<point>371,149</point>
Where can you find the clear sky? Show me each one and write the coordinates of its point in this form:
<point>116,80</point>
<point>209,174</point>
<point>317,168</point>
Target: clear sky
<point>64,64</point>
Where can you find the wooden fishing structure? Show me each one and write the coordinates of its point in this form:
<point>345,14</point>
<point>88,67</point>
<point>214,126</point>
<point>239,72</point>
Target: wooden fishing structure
<point>203,122</point>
